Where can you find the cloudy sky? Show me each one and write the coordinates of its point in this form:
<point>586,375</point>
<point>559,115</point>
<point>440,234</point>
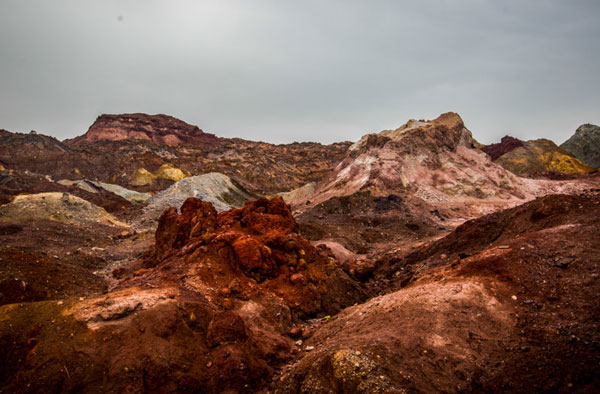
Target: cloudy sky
<point>283,71</point>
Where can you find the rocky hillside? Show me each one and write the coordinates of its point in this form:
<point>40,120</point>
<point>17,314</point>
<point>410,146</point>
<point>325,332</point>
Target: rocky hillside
<point>433,160</point>
<point>585,144</point>
<point>404,185</point>
<point>534,157</point>
<point>501,304</point>
<point>149,153</point>
<point>215,310</point>
<point>409,262</point>
<point>160,129</point>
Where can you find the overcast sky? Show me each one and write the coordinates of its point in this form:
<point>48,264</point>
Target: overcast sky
<point>283,71</point>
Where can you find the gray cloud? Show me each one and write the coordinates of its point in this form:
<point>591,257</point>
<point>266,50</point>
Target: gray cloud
<point>282,71</point>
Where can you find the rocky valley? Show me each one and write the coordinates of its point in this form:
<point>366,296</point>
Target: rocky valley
<point>147,255</point>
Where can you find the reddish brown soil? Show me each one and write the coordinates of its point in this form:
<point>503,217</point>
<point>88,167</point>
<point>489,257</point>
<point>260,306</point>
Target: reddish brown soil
<point>516,315</point>
<point>506,144</point>
<point>47,260</point>
<point>214,311</point>
<point>366,224</point>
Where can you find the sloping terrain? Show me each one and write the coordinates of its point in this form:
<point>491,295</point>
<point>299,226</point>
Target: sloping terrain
<point>61,207</point>
<point>535,156</point>
<point>585,144</point>
<point>401,186</point>
<point>398,270</point>
<point>15,182</point>
<point>504,303</point>
<point>506,144</point>
<point>211,313</point>
<point>434,160</point>
<point>125,149</point>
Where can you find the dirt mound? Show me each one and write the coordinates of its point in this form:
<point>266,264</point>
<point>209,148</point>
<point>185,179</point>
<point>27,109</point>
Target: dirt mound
<point>513,313</point>
<point>506,144</point>
<point>363,223</point>
<point>585,144</point>
<point>160,129</point>
<point>62,207</point>
<point>539,156</point>
<point>214,311</point>
<point>218,189</point>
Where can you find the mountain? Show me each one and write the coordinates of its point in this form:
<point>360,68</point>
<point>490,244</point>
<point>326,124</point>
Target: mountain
<point>160,129</point>
<point>148,153</point>
<point>409,261</point>
<point>434,160</point>
<point>534,157</point>
<point>585,144</point>
<point>400,186</point>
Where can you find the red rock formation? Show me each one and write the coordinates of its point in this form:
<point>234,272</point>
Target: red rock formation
<point>262,235</point>
<point>506,144</point>
<point>160,129</point>
<point>211,314</point>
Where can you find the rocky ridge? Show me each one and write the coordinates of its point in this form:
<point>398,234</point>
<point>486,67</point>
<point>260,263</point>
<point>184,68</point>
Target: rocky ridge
<point>376,282</point>
<point>112,153</point>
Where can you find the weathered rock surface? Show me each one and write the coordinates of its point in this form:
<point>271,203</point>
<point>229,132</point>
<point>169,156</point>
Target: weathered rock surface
<point>401,186</point>
<point>210,313</point>
<point>514,314</point>
<point>506,144</point>
<point>118,147</point>
<point>585,144</point>
<point>160,129</point>
<point>15,182</point>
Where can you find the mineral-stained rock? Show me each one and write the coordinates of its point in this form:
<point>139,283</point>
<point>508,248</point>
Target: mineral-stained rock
<point>167,172</point>
<point>62,207</point>
<point>161,129</point>
<point>218,189</point>
<point>142,177</point>
<point>512,316</point>
<point>212,311</point>
<point>538,156</point>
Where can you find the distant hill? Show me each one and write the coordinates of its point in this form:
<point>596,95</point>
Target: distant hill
<point>534,157</point>
<point>585,144</point>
